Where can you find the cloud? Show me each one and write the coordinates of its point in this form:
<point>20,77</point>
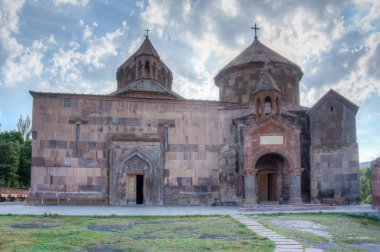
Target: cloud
<point>9,10</point>
<point>29,64</point>
<point>72,66</point>
<point>372,10</point>
<point>362,78</point>
<point>71,2</point>
<point>21,62</point>
<point>9,23</point>
<point>215,32</point>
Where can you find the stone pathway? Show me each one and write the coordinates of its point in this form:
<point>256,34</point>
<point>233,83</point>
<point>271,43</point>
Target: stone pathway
<point>283,244</point>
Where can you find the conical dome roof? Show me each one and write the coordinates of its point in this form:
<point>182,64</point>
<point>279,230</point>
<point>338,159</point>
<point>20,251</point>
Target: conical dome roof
<point>146,48</point>
<point>258,52</point>
<point>267,83</point>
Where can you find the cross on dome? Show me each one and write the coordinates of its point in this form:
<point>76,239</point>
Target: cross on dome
<point>255,28</point>
<point>147,32</point>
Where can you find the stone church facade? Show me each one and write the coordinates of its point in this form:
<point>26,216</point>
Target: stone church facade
<point>145,144</point>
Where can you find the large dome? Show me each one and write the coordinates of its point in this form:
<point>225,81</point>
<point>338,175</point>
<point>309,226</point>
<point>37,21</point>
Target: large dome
<point>258,53</point>
<point>237,81</point>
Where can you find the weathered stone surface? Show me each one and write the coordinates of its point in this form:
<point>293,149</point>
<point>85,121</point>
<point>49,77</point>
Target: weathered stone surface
<point>334,159</point>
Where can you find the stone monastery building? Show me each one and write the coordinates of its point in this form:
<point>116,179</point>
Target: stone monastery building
<point>145,144</point>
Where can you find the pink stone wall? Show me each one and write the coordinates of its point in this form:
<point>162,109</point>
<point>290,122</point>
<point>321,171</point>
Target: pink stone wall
<point>61,171</point>
<point>239,85</point>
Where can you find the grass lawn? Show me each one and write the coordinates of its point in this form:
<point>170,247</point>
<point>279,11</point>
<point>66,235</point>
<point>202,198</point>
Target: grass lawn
<point>190,233</point>
<point>330,232</point>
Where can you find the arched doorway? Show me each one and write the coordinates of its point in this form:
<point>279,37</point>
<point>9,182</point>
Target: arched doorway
<point>134,170</point>
<point>270,182</point>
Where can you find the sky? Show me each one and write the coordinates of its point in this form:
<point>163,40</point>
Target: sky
<point>76,46</point>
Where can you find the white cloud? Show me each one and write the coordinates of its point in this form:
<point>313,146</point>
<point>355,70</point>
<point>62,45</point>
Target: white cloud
<point>140,4</point>
<point>70,66</point>
<point>134,45</point>
<point>308,97</point>
<point>365,80</point>
<point>372,14</point>
<point>9,23</point>
<point>51,39</point>
<point>72,2</point>
<point>230,7</point>
<point>21,62</point>
<point>9,10</point>
<point>29,64</point>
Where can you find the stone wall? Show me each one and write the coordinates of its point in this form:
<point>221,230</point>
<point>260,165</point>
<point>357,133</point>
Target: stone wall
<point>230,178</point>
<point>68,171</point>
<point>375,179</point>
<point>238,85</point>
<point>334,158</point>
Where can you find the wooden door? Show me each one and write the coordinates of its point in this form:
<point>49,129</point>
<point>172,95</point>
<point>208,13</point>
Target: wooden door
<point>263,186</point>
<point>131,189</point>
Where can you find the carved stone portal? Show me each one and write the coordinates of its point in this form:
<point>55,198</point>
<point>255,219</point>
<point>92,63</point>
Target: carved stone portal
<point>136,176</point>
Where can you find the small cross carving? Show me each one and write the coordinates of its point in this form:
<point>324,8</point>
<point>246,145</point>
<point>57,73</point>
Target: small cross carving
<point>147,32</point>
<point>255,28</point>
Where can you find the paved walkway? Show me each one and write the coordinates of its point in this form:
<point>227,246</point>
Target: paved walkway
<point>21,209</point>
<point>283,244</point>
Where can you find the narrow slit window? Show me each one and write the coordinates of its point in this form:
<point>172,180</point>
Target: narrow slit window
<point>166,138</point>
<point>77,136</point>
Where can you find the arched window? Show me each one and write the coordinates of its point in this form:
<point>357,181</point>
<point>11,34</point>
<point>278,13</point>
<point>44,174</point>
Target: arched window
<point>147,68</point>
<point>154,70</point>
<point>139,69</point>
<point>268,104</point>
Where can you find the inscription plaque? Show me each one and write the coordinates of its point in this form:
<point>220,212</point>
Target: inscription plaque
<point>271,140</point>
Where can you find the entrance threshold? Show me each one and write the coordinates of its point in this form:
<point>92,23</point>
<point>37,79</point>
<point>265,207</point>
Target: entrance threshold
<point>269,203</point>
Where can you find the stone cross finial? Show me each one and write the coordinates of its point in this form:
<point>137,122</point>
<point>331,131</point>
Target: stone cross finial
<point>147,32</point>
<point>255,28</point>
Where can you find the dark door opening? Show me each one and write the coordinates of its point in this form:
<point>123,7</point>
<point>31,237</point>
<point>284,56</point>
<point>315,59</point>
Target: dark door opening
<point>271,187</point>
<point>139,189</point>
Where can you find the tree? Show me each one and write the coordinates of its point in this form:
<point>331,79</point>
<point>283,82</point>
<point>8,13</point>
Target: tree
<point>24,127</point>
<point>11,136</point>
<point>25,163</point>
<point>9,163</point>
<point>365,184</point>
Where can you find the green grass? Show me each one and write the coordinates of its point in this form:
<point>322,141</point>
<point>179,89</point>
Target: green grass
<point>190,233</point>
<point>349,233</point>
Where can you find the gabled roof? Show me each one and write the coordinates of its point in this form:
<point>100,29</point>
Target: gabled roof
<point>266,83</point>
<point>147,85</point>
<point>258,52</point>
<point>335,94</point>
